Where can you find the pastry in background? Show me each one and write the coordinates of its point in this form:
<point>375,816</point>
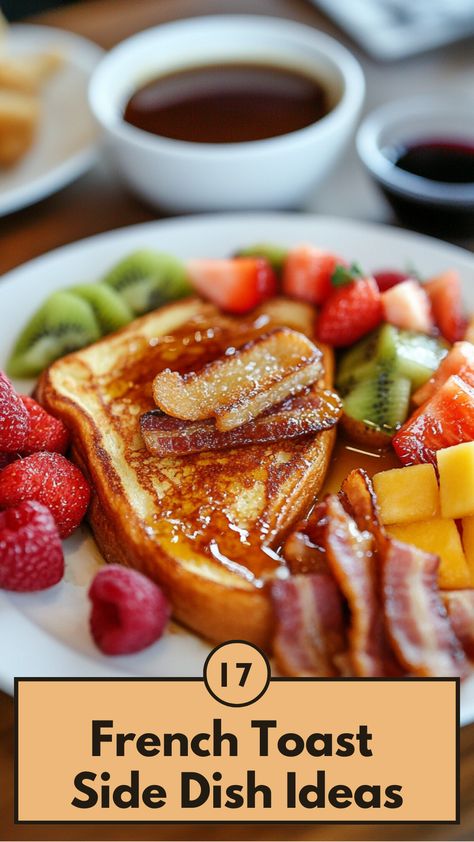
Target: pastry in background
<point>19,118</point>
<point>21,81</point>
<point>28,73</point>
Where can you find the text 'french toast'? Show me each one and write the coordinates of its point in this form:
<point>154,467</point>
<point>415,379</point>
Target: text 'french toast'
<point>204,525</point>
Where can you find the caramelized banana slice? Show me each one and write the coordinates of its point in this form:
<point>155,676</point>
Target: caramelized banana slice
<point>243,383</point>
<point>296,416</point>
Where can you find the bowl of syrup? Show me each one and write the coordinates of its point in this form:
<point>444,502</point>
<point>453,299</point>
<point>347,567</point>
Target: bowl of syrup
<point>420,152</point>
<point>227,112</point>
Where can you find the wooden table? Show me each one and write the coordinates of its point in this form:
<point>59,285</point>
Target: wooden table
<point>97,203</point>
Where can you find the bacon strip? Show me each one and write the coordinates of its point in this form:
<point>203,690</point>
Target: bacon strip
<point>309,625</point>
<point>417,622</point>
<point>304,550</point>
<point>359,499</point>
<point>310,413</point>
<point>350,555</point>
<point>460,608</point>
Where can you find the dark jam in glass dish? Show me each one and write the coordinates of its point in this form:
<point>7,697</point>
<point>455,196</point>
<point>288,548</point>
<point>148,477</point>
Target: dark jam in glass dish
<point>446,160</point>
<point>229,103</point>
<point>449,164</point>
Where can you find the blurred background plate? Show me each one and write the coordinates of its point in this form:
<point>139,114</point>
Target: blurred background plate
<point>66,143</point>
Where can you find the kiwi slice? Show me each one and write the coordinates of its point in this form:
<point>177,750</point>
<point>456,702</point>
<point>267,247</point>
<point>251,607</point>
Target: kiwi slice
<point>147,279</point>
<point>63,323</point>
<point>377,406</point>
<point>418,356</point>
<point>276,255</point>
<point>110,309</point>
<point>410,354</point>
<point>364,358</point>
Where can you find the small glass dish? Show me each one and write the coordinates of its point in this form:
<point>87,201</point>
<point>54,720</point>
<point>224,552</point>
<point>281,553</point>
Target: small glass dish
<point>441,207</point>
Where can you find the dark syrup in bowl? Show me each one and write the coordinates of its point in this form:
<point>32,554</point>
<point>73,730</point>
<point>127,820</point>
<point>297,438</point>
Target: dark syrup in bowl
<point>228,103</point>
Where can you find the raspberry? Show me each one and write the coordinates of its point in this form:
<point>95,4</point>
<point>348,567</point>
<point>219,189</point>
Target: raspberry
<point>46,432</point>
<point>14,419</point>
<point>7,458</point>
<point>31,555</point>
<point>51,480</point>
<point>129,611</point>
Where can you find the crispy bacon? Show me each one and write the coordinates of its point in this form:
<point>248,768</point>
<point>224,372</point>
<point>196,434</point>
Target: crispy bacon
<point>460,608</point>
<point>301,555</point>
<point>417,622</point>
<point>309,625</point>
<point>304,550</point>
<point>359,499</point>
<point>312,412</point>
<point>349,552</point>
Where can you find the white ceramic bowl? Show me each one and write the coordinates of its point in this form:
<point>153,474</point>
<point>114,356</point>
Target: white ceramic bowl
<point>182,176</point>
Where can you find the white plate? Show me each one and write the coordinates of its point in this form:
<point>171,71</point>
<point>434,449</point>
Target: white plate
<point>67,139</point>
<point>46,634</point>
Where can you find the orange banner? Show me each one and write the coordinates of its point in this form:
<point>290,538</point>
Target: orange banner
<point>176,750</point>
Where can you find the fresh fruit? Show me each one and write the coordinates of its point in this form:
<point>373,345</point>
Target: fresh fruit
<point>362,360</point>
<point>445,295</point>
<point>408,494</point>
<point>456,480</point>
<point>440,537</point>
<point>46,432</point>
<point>307,273</point>
<point>375,408</point>
<point>147,279</point>
<point>110,309</point>
<point>129,611</point>
<point>406,305</point>
<point>388,278</point>
<point>64,323</point>
<point>410,354</point>
<point>7,459</point>
<point>237,284</point>
<point>469,335</point>
<point>459,360</point>
<point>51,480</point>
<point>14,419</point>
<point>467,526</point>
<point>418,355</point>
<point>31,555</point>
<point>445,420</point>
<point>274,255</point>
<point>349,313</point>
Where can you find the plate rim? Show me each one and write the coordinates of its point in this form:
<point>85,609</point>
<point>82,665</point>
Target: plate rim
<point>44,639</point>
<point>59,176</point>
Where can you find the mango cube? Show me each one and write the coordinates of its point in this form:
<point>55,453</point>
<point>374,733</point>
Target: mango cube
<point>468,544</point>
<point>440,537</point>
<point>408,494</point>
<point>456,480</point>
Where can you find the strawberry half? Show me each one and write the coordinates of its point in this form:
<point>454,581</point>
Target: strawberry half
<point>236,285</point>
<point>307,273</point>
<point>349,313</point>
<point>445,420</point>
<point>445,295</point>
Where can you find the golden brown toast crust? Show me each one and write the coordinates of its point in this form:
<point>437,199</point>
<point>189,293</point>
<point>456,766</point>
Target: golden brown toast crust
<point>201,524</point>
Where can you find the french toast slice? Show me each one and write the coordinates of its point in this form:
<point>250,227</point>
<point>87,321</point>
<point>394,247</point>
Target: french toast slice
<point>206,525</point>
